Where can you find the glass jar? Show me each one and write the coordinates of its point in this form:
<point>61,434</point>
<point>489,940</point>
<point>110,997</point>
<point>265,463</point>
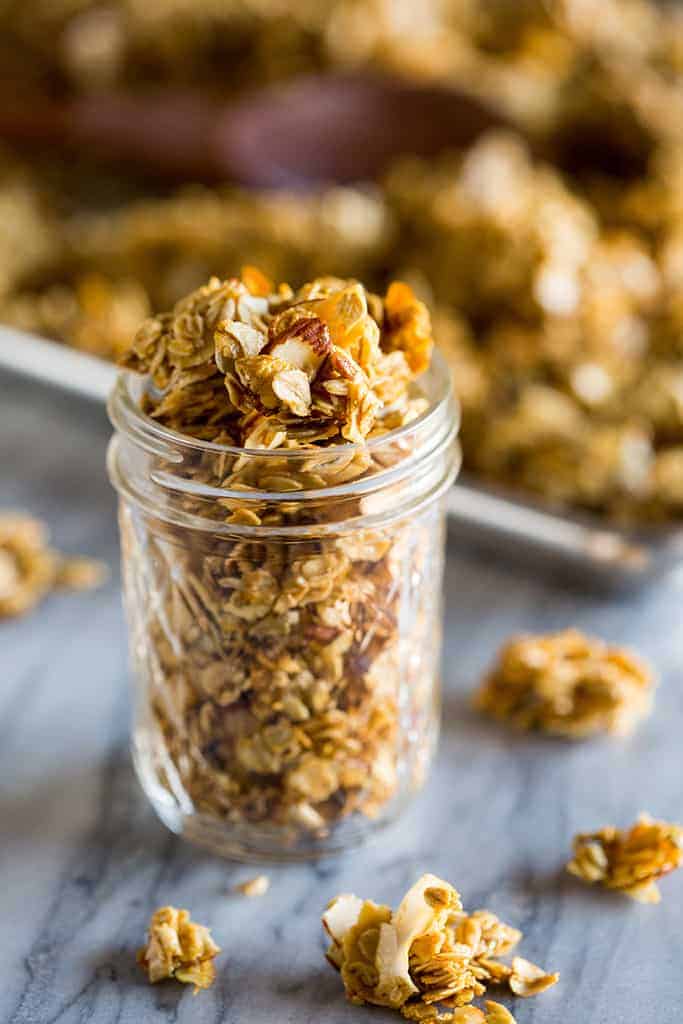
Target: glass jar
<point>284,612</point>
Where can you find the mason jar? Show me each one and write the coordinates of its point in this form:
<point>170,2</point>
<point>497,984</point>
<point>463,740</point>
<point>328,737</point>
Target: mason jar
<point>284,610</point>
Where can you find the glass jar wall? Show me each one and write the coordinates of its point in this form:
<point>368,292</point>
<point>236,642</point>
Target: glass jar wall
<point>284,614</point>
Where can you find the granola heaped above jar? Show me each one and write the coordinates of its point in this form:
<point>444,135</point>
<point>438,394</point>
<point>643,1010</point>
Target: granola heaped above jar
<point>240,362</point>
<point>283,552</point>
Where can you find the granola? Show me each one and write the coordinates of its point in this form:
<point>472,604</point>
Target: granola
<point>567,684</point>
<point>30,569</point>
<point>630,860</point>
<point>178,948</point>
<point>238,359</point>
<point>428,959</point>
<point>558,282</point>
<point>275,663</point>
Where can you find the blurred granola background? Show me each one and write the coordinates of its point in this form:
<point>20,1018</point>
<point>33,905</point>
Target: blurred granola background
<point>552,252</point>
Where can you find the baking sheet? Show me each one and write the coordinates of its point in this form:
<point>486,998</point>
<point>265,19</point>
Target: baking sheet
<point>482,515</point>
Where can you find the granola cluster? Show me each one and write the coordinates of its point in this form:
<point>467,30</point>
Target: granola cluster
<point>30,569</point>
<point>564,330</point>
<point>630,860</point>
<point>178,948</point>
<point>241,363</point>
<point>567,684</point>
<point>428,959</point>
<point>281,697</point>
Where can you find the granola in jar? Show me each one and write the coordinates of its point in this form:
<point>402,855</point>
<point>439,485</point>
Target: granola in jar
<point>282,544</point>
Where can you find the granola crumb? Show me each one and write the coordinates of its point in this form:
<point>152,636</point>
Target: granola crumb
<point>631,860</point>
<point>30,569</point>
<point>253,887</point>
<point>82,573</point>
<point>567,684</point>
<point>429,959</point>
<point>178,948</point>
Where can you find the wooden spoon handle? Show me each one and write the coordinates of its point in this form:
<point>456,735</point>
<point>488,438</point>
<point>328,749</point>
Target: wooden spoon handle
<point>173,133</point>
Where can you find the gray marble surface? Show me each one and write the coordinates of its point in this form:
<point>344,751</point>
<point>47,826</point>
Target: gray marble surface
<point>83,860</point>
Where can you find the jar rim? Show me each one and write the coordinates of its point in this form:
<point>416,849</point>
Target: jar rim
<point>429,462</point>
<point>125,413</point>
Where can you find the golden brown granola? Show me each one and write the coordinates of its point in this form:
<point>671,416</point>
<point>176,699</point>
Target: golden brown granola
<point>428,959</point>
<point>178,948</point>
<point>631,860</point>
<point>241,359</point>
<point>275,665</point>
<point>560,281</point>
<point>567,684</point>
<point>30,568</point>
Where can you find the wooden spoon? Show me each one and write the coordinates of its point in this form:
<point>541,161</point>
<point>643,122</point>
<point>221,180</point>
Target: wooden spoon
<point>312,130</point>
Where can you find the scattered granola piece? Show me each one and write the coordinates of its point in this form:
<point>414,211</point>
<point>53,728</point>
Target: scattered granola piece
<point>567,684</point>
<point>30,568</point>
<point>428,959</point>
<point>178,948</point>
<point>257,886</point>
<point>631,860</point>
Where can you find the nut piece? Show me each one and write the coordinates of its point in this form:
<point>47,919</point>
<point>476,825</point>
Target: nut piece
<point>257,886</point>
<point>303,342</point>
<point>630,861</point>
<point>567,684</point>
<point>178,948</point>
<point>428,959</point>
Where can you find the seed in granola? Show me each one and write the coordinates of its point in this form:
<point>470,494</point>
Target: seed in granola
<point>567,684</point>
<point>631,860</point>
<point>178,948</point>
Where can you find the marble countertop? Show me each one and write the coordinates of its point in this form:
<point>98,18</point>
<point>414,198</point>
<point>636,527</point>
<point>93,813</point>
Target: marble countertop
<point>83,860</point>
